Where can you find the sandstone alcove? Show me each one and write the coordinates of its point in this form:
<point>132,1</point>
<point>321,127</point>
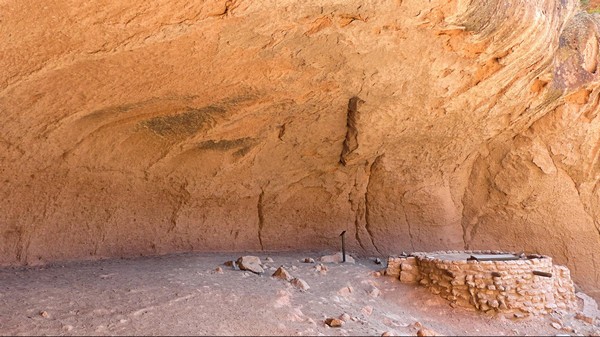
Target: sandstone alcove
<point>147,128</point>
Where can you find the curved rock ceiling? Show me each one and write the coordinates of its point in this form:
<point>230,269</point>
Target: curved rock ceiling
<point>143,127</point>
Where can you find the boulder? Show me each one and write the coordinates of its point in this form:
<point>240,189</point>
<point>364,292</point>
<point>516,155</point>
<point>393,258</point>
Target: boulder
<point>300,284</point>
<point>336,258</point>
<point>250,263</point>
<point>334,322</point>
<point>282,274</point>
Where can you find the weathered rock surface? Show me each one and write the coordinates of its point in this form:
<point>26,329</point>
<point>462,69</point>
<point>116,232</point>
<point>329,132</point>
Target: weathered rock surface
<point>300,284</point>
<point>250,263</point>
<point>334,322</point>
<point>423,332</point>
<point>345,317</point>
<point>131,128</point>
<point>282,274</point>
<point>589,312</point>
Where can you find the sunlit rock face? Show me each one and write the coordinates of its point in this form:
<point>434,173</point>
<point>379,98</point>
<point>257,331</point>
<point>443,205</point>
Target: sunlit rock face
<point>141,127</point>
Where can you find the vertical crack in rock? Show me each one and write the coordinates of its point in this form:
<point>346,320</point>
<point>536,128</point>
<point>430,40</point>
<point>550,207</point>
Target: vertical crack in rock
<point>21,247</point>
<point>261,217</point>
<point>472,233</point>
<point>464,230</point>
<point>183,197</point>
<point>281,131</point>
<point>463,220</point>
<point>469,229</point>
<point>367,213</point>
<point>102,229</point>
<point>356,234</point>
<point>351,140</point>
<point>409,227</point>
<point>359,213</point>
<point>357,206</point>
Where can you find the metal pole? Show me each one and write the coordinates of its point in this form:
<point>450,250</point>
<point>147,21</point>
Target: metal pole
<point>343,246</point>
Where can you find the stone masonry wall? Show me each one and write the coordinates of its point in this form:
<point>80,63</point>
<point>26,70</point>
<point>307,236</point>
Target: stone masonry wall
<point>502,286</point>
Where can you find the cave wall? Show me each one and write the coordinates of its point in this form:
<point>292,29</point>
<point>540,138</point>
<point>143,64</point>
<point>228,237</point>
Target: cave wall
<point>147,128</point>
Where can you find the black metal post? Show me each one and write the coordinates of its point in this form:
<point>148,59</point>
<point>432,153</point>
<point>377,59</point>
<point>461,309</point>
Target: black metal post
<point>343,246</point>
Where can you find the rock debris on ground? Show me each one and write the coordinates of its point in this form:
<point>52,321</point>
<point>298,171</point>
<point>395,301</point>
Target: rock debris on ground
<point>182,295</point>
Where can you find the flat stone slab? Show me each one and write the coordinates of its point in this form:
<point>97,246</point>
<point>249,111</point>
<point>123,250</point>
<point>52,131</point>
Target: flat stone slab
<point>495,257</point>
<point>449,257</point>
<point>478,257</point>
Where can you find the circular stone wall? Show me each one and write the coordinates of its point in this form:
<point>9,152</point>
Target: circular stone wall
<point>529,284</point>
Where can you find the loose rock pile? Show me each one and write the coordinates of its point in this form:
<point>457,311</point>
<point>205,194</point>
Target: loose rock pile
<point>254,265</point>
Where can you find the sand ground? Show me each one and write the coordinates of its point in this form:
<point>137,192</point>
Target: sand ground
<point>183,295</point>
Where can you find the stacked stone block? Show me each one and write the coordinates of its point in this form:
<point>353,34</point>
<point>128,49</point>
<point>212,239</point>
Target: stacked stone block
<point>405,268</point>
<point>525,287</point>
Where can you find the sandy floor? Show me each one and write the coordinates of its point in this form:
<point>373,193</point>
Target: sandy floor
<point>183,295</point>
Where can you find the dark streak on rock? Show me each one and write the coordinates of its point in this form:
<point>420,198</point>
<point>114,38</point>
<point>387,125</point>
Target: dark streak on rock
<point>186,123</point>
<point>224,144</point>
<point>281,132</point>
<point>351,141</point>
<point>376,163</point>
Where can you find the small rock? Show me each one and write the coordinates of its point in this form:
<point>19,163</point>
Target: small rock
<point>294,268</point>
<point>378,261</point>
<point>308,260</point>
<point>44,314</point>
<point>345,291</point>
<point>219,270</point>
<point>270,260</point>
<point>386,334</point>
<point>519,315</point>
<point>334,322</point>
<point>321,268</point>
<point>282,274</point>
<point>67,327</point>
<point>231,264</point>
<point>417,325</point>
<point>345,317</point>
<point>250,263</point>
<point>300,284</point>
<point>584,318</point>
<point>374,291</point>
<point>377,274</point>
<point>336,258</point>
<point>368,310</point>
<point>424,332</point>
<point>556,326</point>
